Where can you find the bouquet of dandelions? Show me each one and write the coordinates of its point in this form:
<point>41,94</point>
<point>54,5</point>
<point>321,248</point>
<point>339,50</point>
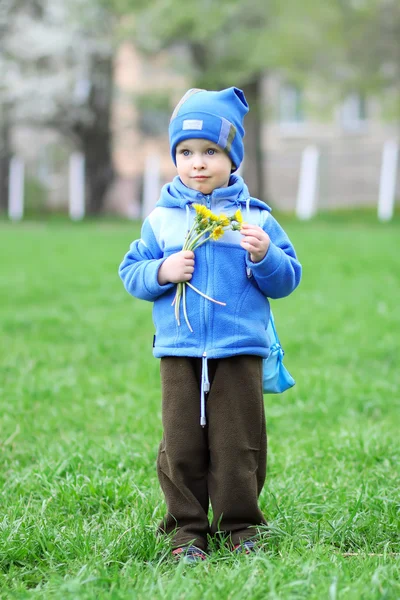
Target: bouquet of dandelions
<point>206,226</point>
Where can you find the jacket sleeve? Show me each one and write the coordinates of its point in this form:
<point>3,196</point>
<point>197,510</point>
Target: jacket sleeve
<point>279,273</point>
<point>139,268</point>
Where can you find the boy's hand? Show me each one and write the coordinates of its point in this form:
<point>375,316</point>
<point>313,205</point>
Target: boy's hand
<point>177,267</point>
<point>255,241</point>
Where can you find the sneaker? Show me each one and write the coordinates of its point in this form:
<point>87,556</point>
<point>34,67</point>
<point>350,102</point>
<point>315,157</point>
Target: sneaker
<point>189,554</point>
<point>247,547</point>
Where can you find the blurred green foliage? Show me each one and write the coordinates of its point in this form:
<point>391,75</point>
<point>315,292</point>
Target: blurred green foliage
<point>35,199</point>
<point>348,44</point>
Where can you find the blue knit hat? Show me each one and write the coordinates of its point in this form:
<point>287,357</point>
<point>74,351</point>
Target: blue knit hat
<point>214,116</point>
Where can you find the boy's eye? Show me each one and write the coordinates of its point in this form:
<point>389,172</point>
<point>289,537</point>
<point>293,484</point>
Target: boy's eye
<point>185,152</point>
<point>210,151</point>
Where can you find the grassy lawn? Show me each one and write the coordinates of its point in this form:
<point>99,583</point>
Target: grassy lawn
<point>80,425</point>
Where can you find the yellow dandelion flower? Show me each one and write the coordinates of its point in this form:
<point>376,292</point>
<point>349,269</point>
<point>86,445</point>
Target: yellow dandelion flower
<point>214,217</point>
<point>217,233</point>
<point>223,220</point>
<point>202,211</point>
<point>238,216</point>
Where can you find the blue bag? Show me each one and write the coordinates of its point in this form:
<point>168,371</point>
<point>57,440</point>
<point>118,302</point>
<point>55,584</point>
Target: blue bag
<point>276,378</point>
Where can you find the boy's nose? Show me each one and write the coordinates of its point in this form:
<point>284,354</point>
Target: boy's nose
<point>198,161</point>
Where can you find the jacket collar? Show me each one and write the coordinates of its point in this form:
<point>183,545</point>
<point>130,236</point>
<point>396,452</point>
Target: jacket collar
<point>177,195</point>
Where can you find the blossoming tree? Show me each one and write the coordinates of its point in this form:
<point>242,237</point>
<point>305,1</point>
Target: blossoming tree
<point>56,66</point>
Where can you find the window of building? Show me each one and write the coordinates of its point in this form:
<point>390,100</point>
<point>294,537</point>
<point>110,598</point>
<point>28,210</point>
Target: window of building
<point>353,112</point>
<point>154,113</point>
<point>290,105</point>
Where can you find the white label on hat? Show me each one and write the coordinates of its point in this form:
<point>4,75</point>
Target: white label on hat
<point>192,124</point>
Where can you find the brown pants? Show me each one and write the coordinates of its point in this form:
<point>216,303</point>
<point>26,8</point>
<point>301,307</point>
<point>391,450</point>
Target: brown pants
<point>225,462</point>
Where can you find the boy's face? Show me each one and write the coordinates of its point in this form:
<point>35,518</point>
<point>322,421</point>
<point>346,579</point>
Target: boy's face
<point>202,165</point>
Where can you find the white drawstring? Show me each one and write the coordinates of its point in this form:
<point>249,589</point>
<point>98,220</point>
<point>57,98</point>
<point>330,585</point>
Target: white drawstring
<point>248,270</point>
<point>205,388</point>
<point>187,218</point>
<point>247,209</point>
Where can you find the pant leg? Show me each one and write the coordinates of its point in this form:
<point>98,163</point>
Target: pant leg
<point>238,446</point>
<point>182,463</point>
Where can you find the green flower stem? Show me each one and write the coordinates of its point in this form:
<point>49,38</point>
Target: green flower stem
<point>178,302</point>
<point>201,242</point>
<point>206,239</point>
<point>184,307</point>
<point>192,241</point>
<point>193,245</point>
<point>188,236</point>
<point>205,295</point>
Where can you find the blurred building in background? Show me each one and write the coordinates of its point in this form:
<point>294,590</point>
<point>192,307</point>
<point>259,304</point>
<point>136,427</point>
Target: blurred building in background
<point>145,90</point>
<point>350,137</point>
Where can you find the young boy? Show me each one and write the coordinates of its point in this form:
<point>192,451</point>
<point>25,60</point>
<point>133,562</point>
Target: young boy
<point>215,371</point>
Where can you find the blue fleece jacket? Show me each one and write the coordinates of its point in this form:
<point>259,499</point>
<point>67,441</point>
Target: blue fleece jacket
<point>223,270</point>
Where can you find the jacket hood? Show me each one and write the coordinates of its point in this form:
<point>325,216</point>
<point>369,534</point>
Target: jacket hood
<point>176,194</point>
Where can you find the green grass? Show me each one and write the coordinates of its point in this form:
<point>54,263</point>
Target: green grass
<point>80,424</point>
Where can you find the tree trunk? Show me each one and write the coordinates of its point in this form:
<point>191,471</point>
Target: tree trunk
<point>96,147</point>
<point>253,168</point>
<point>5,157</point>
<point>95,138</point>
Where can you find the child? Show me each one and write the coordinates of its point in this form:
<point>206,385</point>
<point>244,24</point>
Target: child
<point>215,371</point>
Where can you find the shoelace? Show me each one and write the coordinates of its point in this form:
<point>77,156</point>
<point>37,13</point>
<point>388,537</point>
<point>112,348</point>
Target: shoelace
<point>245,547</point>
<point>189,552</point>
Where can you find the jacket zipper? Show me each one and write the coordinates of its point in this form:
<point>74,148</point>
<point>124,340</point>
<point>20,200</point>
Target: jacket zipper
<point>205,385</point>
<point>206,307</point>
